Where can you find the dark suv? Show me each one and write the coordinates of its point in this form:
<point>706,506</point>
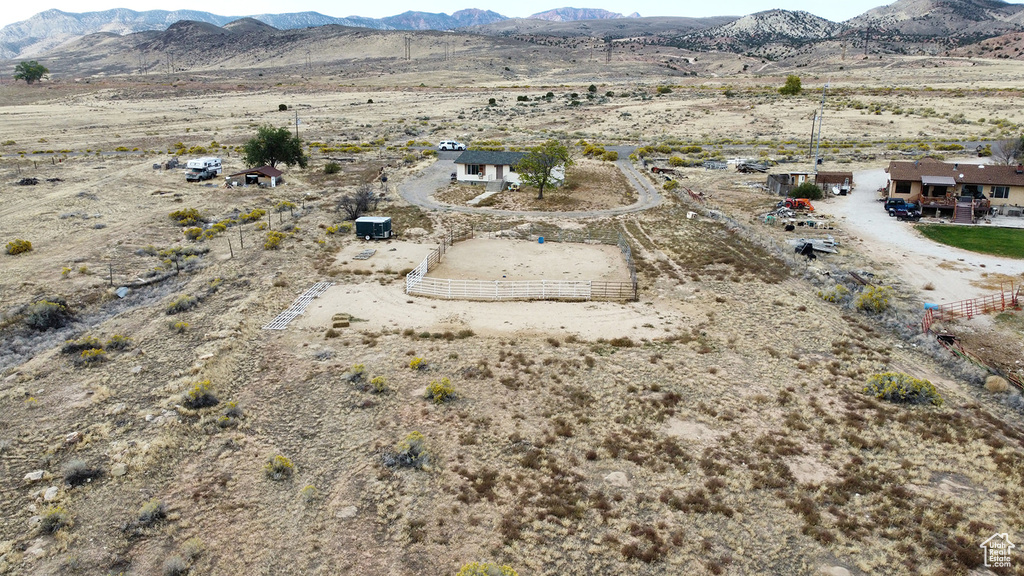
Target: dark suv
<point>892,203</point>
<point>906,212</point>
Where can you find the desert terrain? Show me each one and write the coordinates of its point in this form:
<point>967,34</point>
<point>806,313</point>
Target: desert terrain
<point>717,425</point>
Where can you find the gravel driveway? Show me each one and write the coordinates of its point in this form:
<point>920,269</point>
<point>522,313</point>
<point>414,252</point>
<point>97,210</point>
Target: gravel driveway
<point>420,188</point>
<point>911,255</point>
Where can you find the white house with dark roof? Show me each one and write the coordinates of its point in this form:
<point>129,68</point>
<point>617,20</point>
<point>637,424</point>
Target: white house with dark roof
<point>483,166</point>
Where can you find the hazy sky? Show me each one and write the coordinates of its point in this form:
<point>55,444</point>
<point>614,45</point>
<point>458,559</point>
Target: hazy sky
<point>837,11</point>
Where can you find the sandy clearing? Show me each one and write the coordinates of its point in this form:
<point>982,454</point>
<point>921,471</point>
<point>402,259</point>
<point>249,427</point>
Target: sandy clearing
<point>390,255</point>
<point>496,259</point>
<point>388,307</point>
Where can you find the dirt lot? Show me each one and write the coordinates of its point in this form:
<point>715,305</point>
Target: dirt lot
<point>498,259</point>
<point>717,426</point>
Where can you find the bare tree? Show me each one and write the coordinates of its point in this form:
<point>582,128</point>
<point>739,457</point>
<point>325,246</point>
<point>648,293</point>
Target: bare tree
<point>1008,151</point>
<point>362,200</point>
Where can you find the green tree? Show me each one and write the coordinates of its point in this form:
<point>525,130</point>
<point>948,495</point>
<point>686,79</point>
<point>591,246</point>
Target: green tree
<point>273,146</point>
<point>537,168</point>
<point>792,87</point>
<point>30,71</point>
<point>807,190</point>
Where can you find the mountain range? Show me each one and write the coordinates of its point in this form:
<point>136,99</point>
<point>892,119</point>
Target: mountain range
<point>939,24</point>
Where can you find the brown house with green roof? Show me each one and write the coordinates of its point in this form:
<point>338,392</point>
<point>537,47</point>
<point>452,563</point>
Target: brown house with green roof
<point>962,192</point>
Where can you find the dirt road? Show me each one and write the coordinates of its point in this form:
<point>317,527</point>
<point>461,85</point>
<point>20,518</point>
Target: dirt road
<point>419,190</point>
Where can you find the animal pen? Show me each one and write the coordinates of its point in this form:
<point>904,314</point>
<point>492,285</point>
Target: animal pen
<point>419,283</point>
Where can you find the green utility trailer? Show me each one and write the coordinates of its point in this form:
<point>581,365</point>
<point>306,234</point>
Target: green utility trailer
<point>373,227</point>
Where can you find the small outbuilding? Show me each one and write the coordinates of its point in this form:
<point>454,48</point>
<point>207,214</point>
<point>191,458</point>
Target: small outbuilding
<point>373,227</point>
<point>266,176</point>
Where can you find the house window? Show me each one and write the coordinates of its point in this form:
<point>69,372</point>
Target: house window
<point>1000,191</point>
<point>472,169</point>
<point>903,187</point>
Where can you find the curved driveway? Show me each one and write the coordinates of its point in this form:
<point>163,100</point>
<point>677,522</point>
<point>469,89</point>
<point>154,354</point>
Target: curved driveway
<point>420,188</point>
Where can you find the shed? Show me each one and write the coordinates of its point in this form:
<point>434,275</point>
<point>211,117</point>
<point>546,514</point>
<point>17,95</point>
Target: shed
<point>373,227</point>
<point>837,182</point>
<point>262,176</point>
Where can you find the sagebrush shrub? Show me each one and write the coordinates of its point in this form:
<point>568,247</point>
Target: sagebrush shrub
<point>332,168</point>
<point>440,391</point>
<point>200,395</point>
<point>186,216</point>
<point>78,472</point>
<point>17,246</point>
<point>417,363</point>
<point>175,566</point>
<point>46,314</point>
<point>279,467</point>
<point>874,299</point>
<point>80,345</point>
<point>834,294</point>
<point>256,214</point>
<point>486,569</point>
<point>411,452</point>
<point>181,303</point>
<point>91,357</point>
<point>378,384</point>
<point>671,185</point>
<point>902,388</point>
<point>54,519</point>
<point>152,512</point>
<point>118,342</point>
<point>273,241</point>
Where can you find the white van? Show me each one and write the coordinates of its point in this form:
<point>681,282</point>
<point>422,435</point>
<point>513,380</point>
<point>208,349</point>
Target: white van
<point>450,145</point>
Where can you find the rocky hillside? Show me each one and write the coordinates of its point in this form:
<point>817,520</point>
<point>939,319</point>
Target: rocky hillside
<point>949,22</point>
<point>573,14</point>
<point>771,33</point>
<point>655,28</point>
<point>1007,46</point>
<point>430,21</point>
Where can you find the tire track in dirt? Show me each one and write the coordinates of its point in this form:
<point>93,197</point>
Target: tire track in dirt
<point>649,249</point>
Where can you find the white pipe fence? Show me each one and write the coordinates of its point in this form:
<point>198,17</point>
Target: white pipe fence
<point>501,289</point>
<point>417,282</point>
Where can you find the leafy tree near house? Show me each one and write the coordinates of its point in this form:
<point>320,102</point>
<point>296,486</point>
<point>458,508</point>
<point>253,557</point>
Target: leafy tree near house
<point>1008,151</point>
<point>792,87</point>
<point>538,166</point>
<point>30,71</point>
<point>273,146</point>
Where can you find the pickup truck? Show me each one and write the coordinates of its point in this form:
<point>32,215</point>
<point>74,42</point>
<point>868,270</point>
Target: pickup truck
<point>906,212</point>
<point>197,175</point>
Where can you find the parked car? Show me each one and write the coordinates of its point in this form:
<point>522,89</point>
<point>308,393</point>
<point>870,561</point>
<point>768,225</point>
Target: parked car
<point>906,212</point>
<point>450,145</point>
<point>892,203</point>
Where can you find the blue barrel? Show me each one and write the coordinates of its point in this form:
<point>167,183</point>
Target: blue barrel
<point>540,239</point>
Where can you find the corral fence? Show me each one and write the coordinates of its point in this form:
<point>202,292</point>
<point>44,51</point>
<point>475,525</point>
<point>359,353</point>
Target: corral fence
<point>972,307</point>
<point>417,281</point>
